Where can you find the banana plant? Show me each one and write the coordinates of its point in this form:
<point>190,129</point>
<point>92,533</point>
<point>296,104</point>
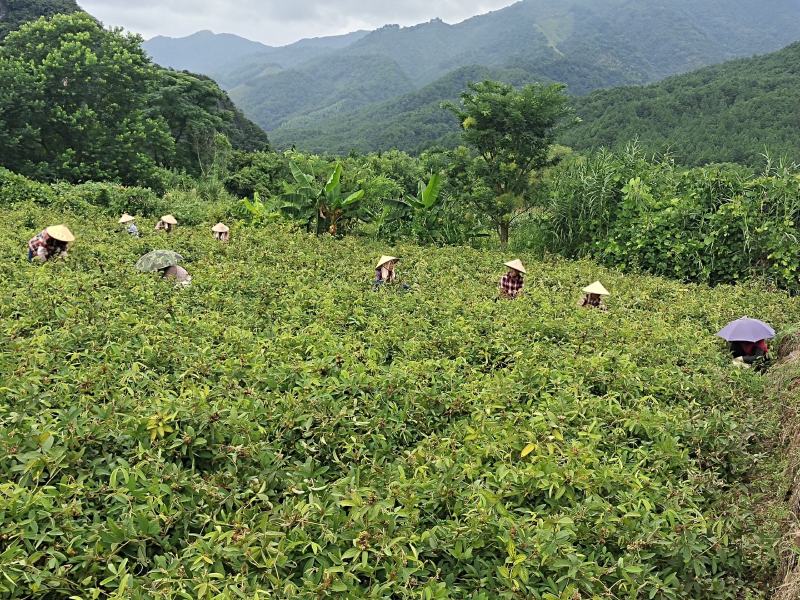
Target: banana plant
<point>425,208</point>
<point>427,196</point>
<point>260,212</point>
<point>322,208</point>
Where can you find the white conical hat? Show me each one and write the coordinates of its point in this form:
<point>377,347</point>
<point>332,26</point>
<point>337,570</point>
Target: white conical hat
<point>384,260</point>
<point>169,219</point>
<point>126,218</point>
<point>60,233</point>
<point>516,265</point>
<point>220,228</point>
<point>596,288</point>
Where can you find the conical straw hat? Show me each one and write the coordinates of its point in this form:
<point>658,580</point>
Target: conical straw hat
<point>60,233</point>
<point>220,228</point>
<point>126,218</point>
<point>596,288</point>
<point>384,260</point>
<point>516,265</point>
<point>169,219</point>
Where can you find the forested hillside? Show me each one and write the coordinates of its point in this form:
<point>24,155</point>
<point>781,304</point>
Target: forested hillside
<point>725,113</point>
<point>13,13</point>
<point>588,45</point>
<point>79,103</point>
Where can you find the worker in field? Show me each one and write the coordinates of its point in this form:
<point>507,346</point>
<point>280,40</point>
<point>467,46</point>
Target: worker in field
<point>750,353</point>
<point>167,223</point>
<point>128,222</point>
<point>593,296</point>
<point>385,271</point>
<point>747,339</point>
<point>221,232</point>
<point>177,274</point>
<point>512,283</point>
<point>51,243</point>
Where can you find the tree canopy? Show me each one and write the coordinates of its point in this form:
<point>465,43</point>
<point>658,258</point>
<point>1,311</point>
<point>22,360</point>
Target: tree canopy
<point>73,104</point>
<point>512,131</point>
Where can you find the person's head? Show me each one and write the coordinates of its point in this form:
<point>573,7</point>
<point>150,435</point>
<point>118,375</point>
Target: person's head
<point>515,269</point>
<point>59,237</point>
<point>386,262</point>
<point>593,298</point>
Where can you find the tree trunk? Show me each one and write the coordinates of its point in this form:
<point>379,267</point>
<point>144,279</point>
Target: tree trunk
<point>502,231</point>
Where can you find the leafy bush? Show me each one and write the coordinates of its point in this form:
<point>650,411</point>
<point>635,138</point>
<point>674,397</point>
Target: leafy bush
<point>279,430</point>
<point>716,224</point>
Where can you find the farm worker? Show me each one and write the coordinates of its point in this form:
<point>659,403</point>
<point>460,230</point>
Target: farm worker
<point>131,228</point>
<point>50,243</point>
<point>384,271</point>
<point>593,297</point>
<point>178,274</point>
<point>167,223</point>
<point>750,352</point>
<point>511,283</point>
<point>221,232</point>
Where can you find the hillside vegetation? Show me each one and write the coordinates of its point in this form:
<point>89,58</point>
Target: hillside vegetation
<point>726,113</point>
<point>15,13</point>
<point>82,103</point>
<point>588,45</point>
<point>277,428</point>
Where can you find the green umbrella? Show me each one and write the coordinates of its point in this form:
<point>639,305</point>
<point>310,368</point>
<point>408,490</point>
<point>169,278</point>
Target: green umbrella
<point>157,260</point>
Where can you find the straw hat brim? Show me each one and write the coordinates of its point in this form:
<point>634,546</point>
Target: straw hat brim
<point>220,228</point>
<point>60,233</point>
<point>385,259</point>
<point>516,265</point>
<point>596,288</point>
<point>126,219</point>
<point>169,219</point>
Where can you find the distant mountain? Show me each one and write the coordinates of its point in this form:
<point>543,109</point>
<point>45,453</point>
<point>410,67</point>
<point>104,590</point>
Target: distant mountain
<point>724,113</point>
<point>231,59</point>
<point>202,52</point>
<point>14,13</point>
<point>589,44</point>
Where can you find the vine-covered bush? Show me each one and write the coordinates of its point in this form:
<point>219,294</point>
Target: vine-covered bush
<point>278,430</point>
<point>716,224</point>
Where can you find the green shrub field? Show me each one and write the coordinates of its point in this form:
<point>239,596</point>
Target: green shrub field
<point>279,430</point>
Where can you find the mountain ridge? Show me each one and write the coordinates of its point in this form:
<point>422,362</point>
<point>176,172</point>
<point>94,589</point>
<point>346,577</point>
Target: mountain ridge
<point>587,44</point>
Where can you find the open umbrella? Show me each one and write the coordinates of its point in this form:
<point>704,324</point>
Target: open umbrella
<point>157,260</point>
<point>746,330</point>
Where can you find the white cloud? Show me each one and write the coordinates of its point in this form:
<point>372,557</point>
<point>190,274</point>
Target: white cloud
<point>277,22</point>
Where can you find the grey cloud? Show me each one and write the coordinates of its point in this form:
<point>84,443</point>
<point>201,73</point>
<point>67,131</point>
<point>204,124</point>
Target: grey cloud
<point>277,22</point>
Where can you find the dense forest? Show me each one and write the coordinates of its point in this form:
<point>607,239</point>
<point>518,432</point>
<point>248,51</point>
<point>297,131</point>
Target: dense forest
<point>14,13</point>
<point>733,112</point>
<point>68,111</point>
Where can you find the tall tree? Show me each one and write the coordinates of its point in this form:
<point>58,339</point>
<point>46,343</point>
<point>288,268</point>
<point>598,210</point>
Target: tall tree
<point>74,103</point>
<point>512,131</point>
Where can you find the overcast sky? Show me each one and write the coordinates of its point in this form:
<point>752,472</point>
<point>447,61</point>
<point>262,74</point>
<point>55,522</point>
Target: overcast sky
<point>277,22</point>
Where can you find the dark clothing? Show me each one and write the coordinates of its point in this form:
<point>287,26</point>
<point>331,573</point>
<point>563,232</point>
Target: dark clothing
<point>593,301</point>
<point>750,352</point>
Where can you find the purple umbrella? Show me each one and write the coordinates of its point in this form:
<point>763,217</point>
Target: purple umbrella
<point>747,330</point>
